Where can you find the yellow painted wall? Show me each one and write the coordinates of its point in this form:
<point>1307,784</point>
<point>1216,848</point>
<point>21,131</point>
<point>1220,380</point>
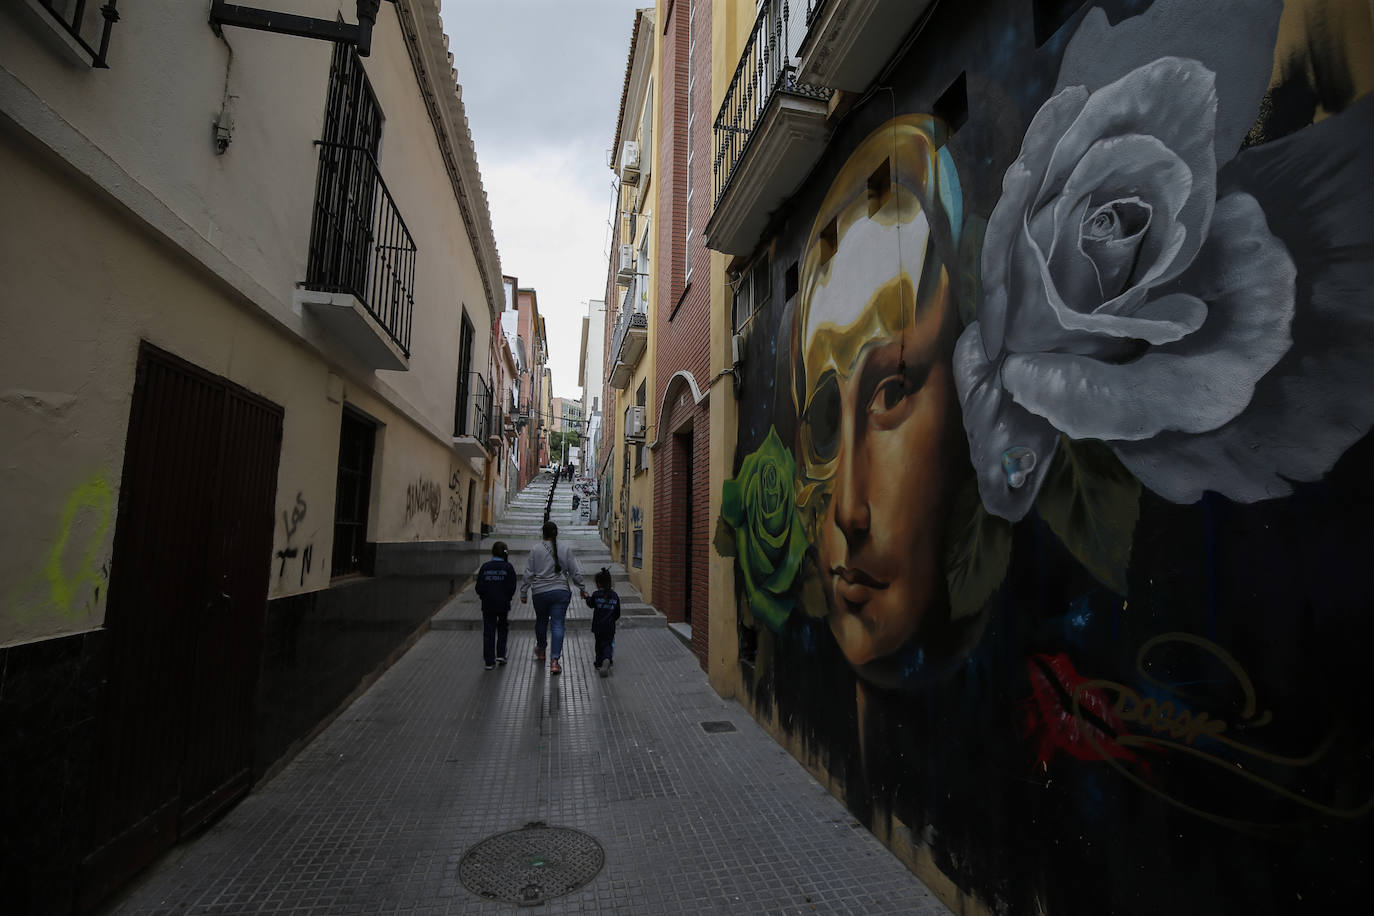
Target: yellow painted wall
<point>731,23</point>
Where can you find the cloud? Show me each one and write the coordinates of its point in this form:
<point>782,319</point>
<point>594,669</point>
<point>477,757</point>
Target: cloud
<point>550,223</point>
<point>541,85</point>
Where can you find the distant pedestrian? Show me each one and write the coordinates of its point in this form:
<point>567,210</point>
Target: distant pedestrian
<point>496,587</point>
<point>605,605</point>
<point>546,573</point>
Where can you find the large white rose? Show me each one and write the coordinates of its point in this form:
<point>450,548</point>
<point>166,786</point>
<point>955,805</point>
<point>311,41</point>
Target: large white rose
<point>1122,299</point>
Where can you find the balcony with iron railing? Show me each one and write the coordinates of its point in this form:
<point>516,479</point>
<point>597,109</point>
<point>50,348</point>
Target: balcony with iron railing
<point>472,421</point>
<point>81,27</point>
<point>770,131</point>
<point>848,42</point>
<point>629,340</point>
<point>360,276</point>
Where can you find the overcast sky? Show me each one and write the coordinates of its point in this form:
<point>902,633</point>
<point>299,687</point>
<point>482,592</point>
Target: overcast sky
<point>541,83</point>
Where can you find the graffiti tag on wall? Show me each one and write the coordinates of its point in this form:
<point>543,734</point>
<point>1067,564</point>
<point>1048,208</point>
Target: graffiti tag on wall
<point>423,496</point>
<point>75,572</point>
<point>291,521</point>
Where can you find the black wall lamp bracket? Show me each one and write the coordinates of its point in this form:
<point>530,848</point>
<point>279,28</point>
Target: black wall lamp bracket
<point>247,17</point>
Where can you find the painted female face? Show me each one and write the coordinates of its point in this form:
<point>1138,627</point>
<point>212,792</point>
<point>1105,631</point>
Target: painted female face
<point>875,430</point>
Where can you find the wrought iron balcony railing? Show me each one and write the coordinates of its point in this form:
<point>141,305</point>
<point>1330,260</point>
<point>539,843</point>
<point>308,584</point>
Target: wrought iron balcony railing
<point>79,19</point>
<point>765,69</point>
<point>477,422</point>
<point>623,325</point>
<point>813,9</point>
<point>359,243</point>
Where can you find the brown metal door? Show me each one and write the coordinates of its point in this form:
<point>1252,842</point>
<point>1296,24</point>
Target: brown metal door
<point>188,589</point>
<point>216,768</point>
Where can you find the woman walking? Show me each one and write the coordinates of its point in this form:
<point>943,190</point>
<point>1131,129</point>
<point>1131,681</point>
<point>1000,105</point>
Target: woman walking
<point>547,570</point>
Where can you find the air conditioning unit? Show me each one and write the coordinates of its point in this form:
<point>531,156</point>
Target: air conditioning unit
<point>629,163</point>
<point>626,272</point>
<point>634,423</point>
<point>737,349</point>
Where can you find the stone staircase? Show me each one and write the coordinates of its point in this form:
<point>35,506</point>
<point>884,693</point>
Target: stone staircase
<point>520,529</point>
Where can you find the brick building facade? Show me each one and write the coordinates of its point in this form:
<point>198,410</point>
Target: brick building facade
<point>681,439</point>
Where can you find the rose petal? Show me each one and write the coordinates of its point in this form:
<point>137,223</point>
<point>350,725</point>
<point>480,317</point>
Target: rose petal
<point>1171,99</point>
<point>1005,224</point>
<point>781,579</point>
<point>1172,322</point>
<point>1044,318</point>
<point>1197,383</point>
<point>756,557</point>
<point>995,424</point>
<point>1136,166</point>
<point>1041,321</point>
<point>1319,400</point>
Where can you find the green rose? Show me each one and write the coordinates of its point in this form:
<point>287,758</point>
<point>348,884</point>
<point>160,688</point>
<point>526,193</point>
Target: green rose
<point>760,506</point>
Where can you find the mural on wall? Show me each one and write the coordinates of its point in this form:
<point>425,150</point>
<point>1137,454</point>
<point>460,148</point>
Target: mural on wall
<point>1049,524</point>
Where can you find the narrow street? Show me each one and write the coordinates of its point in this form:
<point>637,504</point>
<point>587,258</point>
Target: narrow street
<point>377,813</point>
<point>971,403</point>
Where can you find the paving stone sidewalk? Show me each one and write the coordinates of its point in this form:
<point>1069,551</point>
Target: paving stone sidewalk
<point>375,815</point>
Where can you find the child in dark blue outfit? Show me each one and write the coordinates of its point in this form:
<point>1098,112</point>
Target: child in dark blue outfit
<point>605,605</point>
<point>496,582</point>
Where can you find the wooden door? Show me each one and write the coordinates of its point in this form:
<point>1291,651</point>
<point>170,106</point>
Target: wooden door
<point>188,591</point>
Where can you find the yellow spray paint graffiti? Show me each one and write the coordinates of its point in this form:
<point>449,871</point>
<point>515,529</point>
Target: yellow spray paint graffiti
<point>74,574</point>
<point>95,497</point>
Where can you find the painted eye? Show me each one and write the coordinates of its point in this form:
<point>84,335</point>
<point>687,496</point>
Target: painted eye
<point>888,395</point>
<point>822,421</point>
<point>891,398</point>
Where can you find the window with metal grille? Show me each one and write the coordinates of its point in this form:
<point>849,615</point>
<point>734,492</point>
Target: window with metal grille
<point>357,438</point>
<point>464,393</point>
<point>641,452</point>
<point>753,290</point>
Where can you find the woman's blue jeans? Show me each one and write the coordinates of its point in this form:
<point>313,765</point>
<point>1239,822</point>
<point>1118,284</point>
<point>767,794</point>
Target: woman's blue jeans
<point>551,608</point>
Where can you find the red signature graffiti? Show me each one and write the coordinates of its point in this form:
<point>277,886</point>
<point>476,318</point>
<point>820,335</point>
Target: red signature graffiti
<point>1089,734</point>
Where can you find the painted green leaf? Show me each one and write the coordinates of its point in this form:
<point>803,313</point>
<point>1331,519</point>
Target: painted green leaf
<point>1092,503</point>
<point>724,541</point>
<point>977,553</point>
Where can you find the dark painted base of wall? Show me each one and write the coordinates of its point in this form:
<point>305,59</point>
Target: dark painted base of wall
<point>319,651</point>
<point>50,693</point>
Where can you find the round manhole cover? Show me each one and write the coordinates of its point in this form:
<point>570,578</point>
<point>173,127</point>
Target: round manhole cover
<point>532,864</point>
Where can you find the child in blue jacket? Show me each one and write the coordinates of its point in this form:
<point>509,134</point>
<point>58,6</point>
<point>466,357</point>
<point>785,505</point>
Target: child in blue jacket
<point>605,605</point>
<point>496,582</point>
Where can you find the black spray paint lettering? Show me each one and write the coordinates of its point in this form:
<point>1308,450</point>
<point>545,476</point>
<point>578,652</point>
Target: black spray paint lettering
<point>292,521</point>
<point>423,495</point>
<point>455,505</point>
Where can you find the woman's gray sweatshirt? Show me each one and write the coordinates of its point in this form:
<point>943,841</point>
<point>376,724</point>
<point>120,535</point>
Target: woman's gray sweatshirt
<point>539,574</point>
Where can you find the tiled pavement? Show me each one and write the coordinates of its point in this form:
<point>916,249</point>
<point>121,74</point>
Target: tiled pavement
<point>375,814</point>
